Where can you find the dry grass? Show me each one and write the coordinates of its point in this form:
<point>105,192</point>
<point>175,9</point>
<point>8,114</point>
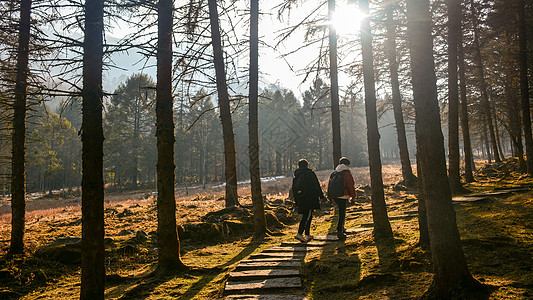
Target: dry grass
<point>497,237</point>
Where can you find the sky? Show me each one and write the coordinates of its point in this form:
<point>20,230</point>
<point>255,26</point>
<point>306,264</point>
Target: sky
<point>273,68</point>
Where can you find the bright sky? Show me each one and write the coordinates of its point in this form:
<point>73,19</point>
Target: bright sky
<point>273,68</point>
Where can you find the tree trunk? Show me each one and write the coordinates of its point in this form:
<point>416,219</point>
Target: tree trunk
<point>167,236</point>
<point>334,89</point>
<point>18,163</point>
<point>524,88</point>
<point>92,182</point>
<point>422,212</point>
<point>467,143</point>
<point>253,123</point>
<point>452,276</point>
<point>225,112</point>
<point>382,228</point>
<point>454,10</point>
<point>407,171</point>
<point>483,84</point>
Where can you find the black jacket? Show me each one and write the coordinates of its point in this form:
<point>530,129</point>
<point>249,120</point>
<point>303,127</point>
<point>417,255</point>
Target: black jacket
<point>313,191</point>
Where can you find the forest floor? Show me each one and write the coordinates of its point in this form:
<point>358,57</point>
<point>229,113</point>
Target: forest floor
<point>497,237</point>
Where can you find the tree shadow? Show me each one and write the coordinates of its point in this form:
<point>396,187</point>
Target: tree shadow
<point>207,275</point>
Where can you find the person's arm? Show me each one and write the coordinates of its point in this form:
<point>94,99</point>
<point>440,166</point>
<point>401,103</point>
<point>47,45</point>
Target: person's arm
<point>319,191</point>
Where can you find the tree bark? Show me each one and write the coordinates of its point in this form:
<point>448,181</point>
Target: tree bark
<point>483,84</point>
<point>407,171</point>
<point>454,10</point>
<point>382,228</point>
<point>524,88</point>
<point>422,212</point>
<point>334,88</point>
<point>465,127</point>
<point>452,276</point>
<point>18,163</point>
<point>253,123</point>
<point>225,111</point>
<point>167,236</point>
<point>92,183</point>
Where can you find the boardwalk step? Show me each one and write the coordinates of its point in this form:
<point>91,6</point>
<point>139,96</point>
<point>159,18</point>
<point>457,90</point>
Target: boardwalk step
<point>326,238</point>
<point>262,274</point>
<point>273,283</point>
<point>406,216</point>
<point>270,259</point>
<point>308,244</point>
<point>286,249</point>
<point>278,254</point>
<point>267,297</point>
<point>358,230</point>
<point>269,264</point>
<point>469,199</point>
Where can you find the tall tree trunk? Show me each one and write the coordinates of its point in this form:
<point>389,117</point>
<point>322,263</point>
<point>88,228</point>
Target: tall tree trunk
<point>167,236</point>
<point>422,212</point>
<point>524,88</point>
<point>465,128</point>
<point>225,111</point>
<point>452,276</point>
<point>136,142</point>
<point>382,228</point>
<point>18,163</point>
<point>407,171</point>
<point>253,123</point>
<point>454,22</point>
<point>92,182</point>
<point>486,140</point>
<point>483,84</point>
<point>334,89</point>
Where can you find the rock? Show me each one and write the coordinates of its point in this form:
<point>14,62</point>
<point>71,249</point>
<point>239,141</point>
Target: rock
<point>272,221</point>
<point>127,250</point>
<point>284,215</point>
<point>234,227</point>
<point>66,250</point>
<point>201,231</point>
<point>399,187</point>
<point>124,232</point>
<point>277,202</point>
<point>110,211</point>
<point>125,213</point>
<point>141,236</point>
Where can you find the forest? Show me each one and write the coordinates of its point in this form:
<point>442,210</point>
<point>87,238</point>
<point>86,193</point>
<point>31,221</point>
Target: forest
<point>147,148</point>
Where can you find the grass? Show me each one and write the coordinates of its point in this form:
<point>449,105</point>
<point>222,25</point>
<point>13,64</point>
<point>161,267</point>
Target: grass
<point>497,237</point>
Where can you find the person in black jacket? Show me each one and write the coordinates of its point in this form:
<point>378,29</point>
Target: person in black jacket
<point>307,193</point>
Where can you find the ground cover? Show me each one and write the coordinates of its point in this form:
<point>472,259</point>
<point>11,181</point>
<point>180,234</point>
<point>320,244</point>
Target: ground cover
<point>497,236</point>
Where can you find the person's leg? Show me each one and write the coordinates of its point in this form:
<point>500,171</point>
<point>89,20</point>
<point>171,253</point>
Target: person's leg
<point>308,222</point>
<point>303,222</point>
<point>341,203</point>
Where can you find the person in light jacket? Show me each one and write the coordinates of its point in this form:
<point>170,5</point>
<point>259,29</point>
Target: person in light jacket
<point>349,194</point>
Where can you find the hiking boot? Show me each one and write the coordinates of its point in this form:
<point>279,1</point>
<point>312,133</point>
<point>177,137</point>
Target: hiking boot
<point>301,238</point>
<point>309,237</point>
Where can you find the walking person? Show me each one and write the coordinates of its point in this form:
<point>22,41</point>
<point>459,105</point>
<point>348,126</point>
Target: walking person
<point>341,188</point>
<point>307,193</point>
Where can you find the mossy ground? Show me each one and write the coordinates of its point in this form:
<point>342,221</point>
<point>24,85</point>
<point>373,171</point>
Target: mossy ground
<point>497,237</point>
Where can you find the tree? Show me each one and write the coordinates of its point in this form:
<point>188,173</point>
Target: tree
<point>452,278</point>
<point>465,127</point>
<point>334,88</point>
<point>454,25</point>
<point>18,165</point>
<point>92,137</point>
<point>253,124</point>
<point>168,253</point>
<point>382,228</point>
<point>407,171</point>
<point>524,85</point>
<point>224,106</point>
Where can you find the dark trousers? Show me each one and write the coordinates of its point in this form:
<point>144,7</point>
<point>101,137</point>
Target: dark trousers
<point>341,203</point>
<point>305,223</point>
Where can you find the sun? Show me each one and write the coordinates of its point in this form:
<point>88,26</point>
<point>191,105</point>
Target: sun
<point>347,19</point>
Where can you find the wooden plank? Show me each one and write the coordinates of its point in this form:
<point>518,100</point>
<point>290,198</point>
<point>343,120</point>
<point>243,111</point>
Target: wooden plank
<point>308,244</point>
<point>326,238</point>
<point>256,259</point>
<point>398,217</point>
<point>267,297</point>
<point>358,230</point>
<point>269,264</point>
<point>278,254</point>
<point>469,199</point>
<point>286,249</point>
<point>273,283</point>
<point>263,274</point>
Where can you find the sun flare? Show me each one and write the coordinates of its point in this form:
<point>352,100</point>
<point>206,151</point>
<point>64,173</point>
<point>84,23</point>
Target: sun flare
<point>347,19</point>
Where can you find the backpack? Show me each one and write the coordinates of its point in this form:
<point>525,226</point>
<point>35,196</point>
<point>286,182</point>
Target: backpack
<point>336,185</point>
<point>299,190</point>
